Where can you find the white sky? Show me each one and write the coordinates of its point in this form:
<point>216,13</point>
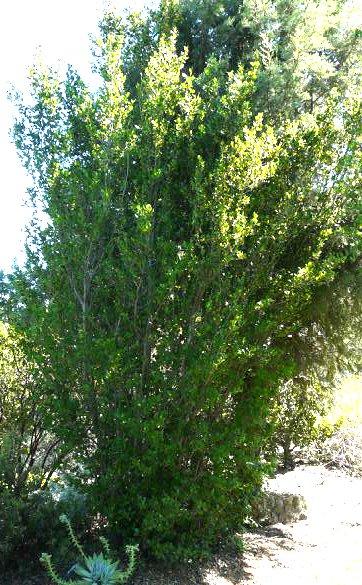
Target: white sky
<point>61,30</point>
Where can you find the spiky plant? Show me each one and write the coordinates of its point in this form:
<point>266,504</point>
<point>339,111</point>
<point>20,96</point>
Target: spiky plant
<point>98,569</point>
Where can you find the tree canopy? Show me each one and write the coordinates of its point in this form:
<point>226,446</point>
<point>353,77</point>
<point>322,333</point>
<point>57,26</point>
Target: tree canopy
<point>200,204</point>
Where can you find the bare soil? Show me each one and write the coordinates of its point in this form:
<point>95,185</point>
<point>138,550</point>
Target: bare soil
<point>326,548</point>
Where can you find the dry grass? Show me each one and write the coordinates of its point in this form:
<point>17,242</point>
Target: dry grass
<point>347,406</point>
<point>343,449</point>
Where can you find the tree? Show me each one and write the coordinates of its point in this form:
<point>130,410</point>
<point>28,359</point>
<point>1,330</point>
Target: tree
<point>31,458</point>
<point>324,351</point>
<point>305,50</point>
<point>28,453</point>
<point>187,242</point>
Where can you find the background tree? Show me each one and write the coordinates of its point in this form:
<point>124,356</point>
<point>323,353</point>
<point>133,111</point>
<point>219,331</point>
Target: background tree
<point>305,49</point>
<point>29,455</point>
<point>325,351</point>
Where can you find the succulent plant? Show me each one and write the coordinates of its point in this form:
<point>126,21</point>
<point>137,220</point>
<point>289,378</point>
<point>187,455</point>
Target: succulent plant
<point>98,569</point>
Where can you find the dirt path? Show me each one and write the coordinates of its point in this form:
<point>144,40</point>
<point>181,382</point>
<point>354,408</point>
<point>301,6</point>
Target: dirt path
<point>324,549</point>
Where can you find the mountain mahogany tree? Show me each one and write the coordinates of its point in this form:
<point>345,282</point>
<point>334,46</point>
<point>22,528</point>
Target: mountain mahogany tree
<point>187,241</point>
<point>305,50</point>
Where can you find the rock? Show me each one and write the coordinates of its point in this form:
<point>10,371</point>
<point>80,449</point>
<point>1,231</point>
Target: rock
<point>283,508</point>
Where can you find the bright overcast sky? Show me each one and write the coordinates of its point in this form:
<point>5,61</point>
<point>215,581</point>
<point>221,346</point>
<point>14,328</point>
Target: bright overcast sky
<point>62,31</point>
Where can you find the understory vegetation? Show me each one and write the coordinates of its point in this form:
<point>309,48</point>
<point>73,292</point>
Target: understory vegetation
<point>193,296</point>
<point>337,440</point>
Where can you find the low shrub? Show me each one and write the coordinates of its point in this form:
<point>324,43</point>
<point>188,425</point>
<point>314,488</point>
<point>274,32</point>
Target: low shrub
<point>341,450</point>
<point>30,524</point>
<point>11,527</point>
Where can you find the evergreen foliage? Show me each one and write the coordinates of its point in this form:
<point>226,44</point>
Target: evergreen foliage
<point>189,238</point>
<point>323,352</point>
<point>29,452</point>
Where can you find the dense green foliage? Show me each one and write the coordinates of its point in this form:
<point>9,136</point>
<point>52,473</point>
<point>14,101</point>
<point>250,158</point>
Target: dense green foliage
<point>30,523</point>
<point>30,455</point>
<point>323,352</point>
<point>29,452</point>
<point>189,240</point>
<point>305,49</point>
